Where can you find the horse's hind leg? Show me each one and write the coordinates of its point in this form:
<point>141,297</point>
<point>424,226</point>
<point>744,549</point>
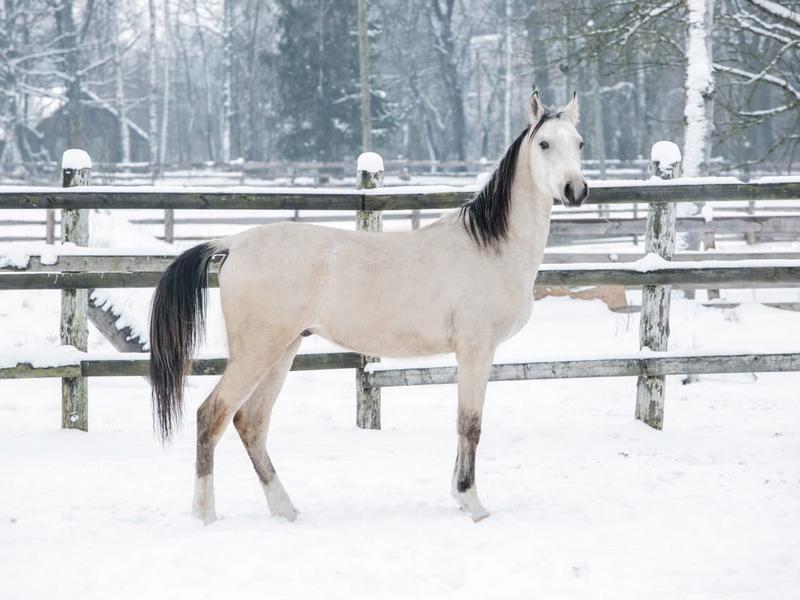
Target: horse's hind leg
<point>473,373</point>
<point>237,384</point>
<point>252,423</point>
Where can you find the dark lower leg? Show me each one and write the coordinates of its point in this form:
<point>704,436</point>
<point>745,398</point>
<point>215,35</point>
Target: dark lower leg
<point>253,437</point>
<point>469,433</point>
<point>212,418</point>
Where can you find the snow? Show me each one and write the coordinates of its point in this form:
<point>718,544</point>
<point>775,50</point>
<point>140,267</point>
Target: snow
<point>371,162</point>
<point>75,159</point>
<point>14,257</point>
<point>482,179</point>
<point>40,355</point>
<point>653,262</point>
<point>17,254</point>
<point>666,153</point>
<point>779,179</point>
<point>778,10</point>
<point>586,502</point>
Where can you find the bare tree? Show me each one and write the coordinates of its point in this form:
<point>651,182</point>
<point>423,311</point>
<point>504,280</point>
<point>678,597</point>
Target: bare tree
<point>441,18</point>
<point>152,103</point>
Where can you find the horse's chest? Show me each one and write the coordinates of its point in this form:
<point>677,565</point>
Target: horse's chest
<point>518,314</point>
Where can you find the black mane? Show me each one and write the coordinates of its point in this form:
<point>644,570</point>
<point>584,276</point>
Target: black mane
<point>486,215</point>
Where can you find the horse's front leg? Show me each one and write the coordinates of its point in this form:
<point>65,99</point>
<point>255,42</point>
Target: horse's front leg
<point>474,363</point>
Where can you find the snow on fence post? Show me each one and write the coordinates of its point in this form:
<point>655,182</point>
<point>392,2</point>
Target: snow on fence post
<point>654,319</point>
<point>369,175</point>
<point>76,168</point>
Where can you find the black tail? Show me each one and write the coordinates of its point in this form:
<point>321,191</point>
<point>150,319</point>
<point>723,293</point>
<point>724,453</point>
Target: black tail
<point>176,318</point>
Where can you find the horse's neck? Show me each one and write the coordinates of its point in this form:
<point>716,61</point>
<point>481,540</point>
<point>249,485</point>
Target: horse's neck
<point>529,216</point>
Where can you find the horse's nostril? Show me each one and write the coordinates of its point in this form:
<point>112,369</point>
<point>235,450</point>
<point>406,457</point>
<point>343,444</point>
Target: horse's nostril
<point>568,193</point>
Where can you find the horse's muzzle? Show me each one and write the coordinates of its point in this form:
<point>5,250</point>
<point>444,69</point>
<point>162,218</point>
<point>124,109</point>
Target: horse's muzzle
<point>571,198</point>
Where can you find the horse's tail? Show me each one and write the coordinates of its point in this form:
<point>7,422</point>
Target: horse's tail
<point>176,321</point>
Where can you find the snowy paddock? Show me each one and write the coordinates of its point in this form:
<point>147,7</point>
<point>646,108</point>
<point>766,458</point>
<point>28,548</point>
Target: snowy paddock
<point>586,502</point>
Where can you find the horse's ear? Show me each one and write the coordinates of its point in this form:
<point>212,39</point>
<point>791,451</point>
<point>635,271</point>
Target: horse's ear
<point>571,110</point>
<point>535,108</point>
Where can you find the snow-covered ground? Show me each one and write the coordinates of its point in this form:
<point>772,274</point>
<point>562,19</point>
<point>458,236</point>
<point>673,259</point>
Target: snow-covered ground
<point>586,502</point>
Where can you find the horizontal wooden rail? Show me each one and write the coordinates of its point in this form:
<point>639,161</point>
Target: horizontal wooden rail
<point>236,198</point>
<point>679,276</point>
<point>605,367</point>
<point>131,263</point>
<point>138,365</point>
<point>553,258</point>
<point>670,364</point>
<point>594,227</point>
<point>687,275</point>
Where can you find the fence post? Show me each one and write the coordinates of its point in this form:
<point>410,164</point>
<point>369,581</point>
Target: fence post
<point>169,225</point>
<point>415,219</point>
<point>76,168</point>
<point>369,175</point>
<point>50,226</point>
<point>654,319</point>
<point>709,242</point>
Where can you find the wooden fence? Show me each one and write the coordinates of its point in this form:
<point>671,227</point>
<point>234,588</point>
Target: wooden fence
<point>83,269</point>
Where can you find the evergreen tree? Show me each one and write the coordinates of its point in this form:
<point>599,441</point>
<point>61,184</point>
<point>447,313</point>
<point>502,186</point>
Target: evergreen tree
<point>318,82</point>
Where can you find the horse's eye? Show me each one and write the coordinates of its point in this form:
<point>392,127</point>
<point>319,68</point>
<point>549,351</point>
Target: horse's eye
<point>580,145</point>
<point>544,145</point>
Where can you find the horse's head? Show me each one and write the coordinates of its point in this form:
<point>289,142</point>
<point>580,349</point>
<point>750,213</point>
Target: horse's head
<point>556,152</point>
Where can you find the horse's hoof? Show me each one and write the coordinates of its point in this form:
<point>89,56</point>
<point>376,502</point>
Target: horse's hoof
<point>288,513</point>
<point>469,502</point>
<point>478,516</point>
<point>278,501</point>
<point>207,517</point>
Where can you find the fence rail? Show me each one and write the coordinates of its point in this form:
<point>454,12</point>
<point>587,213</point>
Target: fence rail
<point>376,376</point>
<point>85,272</point>
<point>675,364</point>
<point>138,365</point>
<point>410,198</point>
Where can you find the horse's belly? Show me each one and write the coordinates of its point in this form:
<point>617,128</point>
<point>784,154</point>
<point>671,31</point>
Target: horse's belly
<point>394,325</point>
<point>387,337</point>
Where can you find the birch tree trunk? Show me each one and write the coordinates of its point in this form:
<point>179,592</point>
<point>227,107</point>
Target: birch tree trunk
<point>566,67</point>
<point>122,110</point>
<point>152,112</point>
<point>698,110</point>
<point>162,148</point>
<point>641,105</point>
<point>227,79</point>
<point>363,69</point>
<point>206,85</point>
<point>254,116</point>
<point>599,130</point>
<point>507,56</point>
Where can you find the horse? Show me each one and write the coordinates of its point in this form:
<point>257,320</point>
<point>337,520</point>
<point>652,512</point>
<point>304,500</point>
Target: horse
<point>461,285</point>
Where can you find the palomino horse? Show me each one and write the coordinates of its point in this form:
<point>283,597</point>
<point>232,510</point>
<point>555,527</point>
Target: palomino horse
<point>462,284</point>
